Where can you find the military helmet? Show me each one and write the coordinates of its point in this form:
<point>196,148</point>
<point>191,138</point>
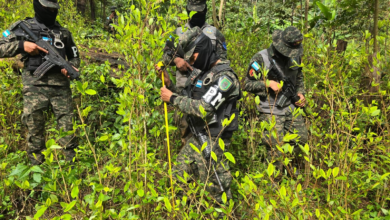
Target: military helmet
<point>113,8</point>
<point>288,42</point>
<point>196,5</point>
<point>188,42</point>
<point>50,3</point>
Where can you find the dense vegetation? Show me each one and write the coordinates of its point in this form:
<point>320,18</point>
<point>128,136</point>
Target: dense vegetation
<point>121,170</point>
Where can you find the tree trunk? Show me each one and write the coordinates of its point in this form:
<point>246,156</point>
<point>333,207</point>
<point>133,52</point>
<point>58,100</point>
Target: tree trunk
<point>81,6</point>
<point>306,14</point>
<point>93,9</point>
<point>376,7</point>
<point>215,15</point>
<point>104,9</point>
<point>221,18</point>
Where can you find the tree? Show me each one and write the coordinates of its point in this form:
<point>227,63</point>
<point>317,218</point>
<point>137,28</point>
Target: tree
<point>93,9</point>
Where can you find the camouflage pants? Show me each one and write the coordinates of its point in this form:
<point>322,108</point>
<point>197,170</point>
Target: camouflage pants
<point>194,165</point>
<point>36,101</point>
<point>283,124</point>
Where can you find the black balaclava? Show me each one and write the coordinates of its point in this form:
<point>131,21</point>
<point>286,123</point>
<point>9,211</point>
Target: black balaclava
<point>198,19</point>
<point>207,55</point>
<point>279,55</point>
<point>44,15</point>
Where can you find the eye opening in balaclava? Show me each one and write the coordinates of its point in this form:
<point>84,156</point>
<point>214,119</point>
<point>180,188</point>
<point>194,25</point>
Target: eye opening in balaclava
<point>44,15</point>
<point>207,55</point>
<point>198,19</point>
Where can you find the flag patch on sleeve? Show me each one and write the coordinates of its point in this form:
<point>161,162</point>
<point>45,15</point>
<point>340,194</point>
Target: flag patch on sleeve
<point>199,84</point>
<point>6,33</point>
<point>255,66</point>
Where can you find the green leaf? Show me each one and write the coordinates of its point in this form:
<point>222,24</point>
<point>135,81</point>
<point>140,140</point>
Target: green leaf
<point>221,144</point>
<point>75,192</point>
<point>40,212</point>
<point>289,137</point>
<point>325,10</point>
<point>37,177</point>
<point>224,198</point>
<point>140,192</point>
<point>192,13</point>
<point>36,169</point>
<point>203,146</point>
<point>270,169</point>
<point>167,204</point>
<point>195,148</point>
<point>299,187</point>
<point>70,206</point>
<point>202,111</point>
<point>214,156</point>
<point>375,113</point>
<point>283,191</point>
<point>230,157</point>
<point>257,100</point>
<point>103,138</point>
<point>384,175</point>
<point>335,171</point>
<point>55,147</point>
<point>90,92</point>
<point>102,79</point>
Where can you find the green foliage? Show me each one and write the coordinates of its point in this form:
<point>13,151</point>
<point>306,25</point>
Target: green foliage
<point>121,169</point>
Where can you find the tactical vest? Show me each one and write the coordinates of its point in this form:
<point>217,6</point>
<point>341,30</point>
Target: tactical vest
<point>31,63</point>
<point>291,70</point>
<point>224,111</point>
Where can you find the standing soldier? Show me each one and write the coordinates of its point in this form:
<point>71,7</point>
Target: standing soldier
<point>53,88</point>
<point>281,61</point>
<point>171,57</point>
<point>214,86</point>
<point>112,19</point>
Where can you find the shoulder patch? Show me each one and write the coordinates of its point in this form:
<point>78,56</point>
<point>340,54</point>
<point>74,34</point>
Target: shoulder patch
<point>6,33</point>
<point>255,66</point>
<point>224,45</point>
<point>251,74</point>
<point>209,30</point>
<point>225,83</point>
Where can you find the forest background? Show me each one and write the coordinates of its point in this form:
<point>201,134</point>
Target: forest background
<point>121,170</point>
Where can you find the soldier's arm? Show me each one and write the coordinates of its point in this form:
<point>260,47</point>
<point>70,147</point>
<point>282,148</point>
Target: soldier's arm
<point>253,81</point>
<point>221,46</point>
<point>300,82</point>
<point>72,52</point>
<point>224,89</point>
<point>9,45</point>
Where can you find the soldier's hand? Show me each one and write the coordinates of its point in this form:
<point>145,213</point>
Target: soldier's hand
<point>32,48</point>
<point>302,101</point>
<point>65,72</point>
<point>274,86</point>
<point>166,94</point>
<point>167,80</point>
<point>182,65</point>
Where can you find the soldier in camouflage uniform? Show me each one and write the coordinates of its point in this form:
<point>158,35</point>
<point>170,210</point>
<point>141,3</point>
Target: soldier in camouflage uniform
<point>214,86</point>
<point>53,88</point>
<point>112,19</point>
<point>171,57</point>
<point>286,50</point>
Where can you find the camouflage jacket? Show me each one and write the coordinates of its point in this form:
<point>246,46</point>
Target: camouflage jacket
<point>191,105</point>
<point>11,45</point>
<point>109,22</point>
<point>217,38</point>
<point>257,86</point>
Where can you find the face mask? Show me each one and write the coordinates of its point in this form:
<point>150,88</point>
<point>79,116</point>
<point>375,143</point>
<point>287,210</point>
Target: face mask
<point>44,15</point>
<point>207,55</point>
<point>198,19</point>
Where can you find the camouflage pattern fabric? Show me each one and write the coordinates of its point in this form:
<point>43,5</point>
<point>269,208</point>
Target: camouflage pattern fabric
<point>217,38</point>
<point>196,5</point>
<point>191,106</point>
<point>108,24</point>
<point>257,85</point>
<point>283,125</point>
<point>36,102</point>
<point>50,3</point>
<point>50,90</point>
<point>195,166</point>
<point>288,42</point>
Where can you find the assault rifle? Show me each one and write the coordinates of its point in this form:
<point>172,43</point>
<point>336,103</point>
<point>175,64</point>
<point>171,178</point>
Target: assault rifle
<point>288,90</point>
<point>202,138</point>
<point>52,58</point>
